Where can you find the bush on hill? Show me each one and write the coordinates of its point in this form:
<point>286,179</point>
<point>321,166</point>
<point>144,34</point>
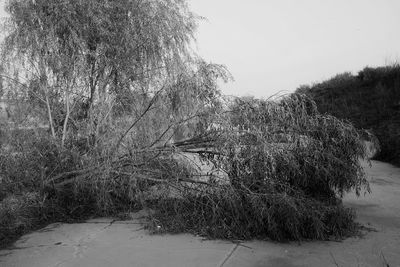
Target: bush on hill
<point>370,100</point>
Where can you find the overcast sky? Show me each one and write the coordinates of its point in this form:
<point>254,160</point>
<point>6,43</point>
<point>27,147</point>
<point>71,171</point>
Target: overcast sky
<point>274,45</point>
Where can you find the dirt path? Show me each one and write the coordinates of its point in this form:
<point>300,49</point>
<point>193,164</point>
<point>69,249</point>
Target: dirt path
<point>104,242</point>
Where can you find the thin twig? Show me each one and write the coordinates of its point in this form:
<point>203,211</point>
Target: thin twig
<point>384,259</point>
<point>334,260</point>
<point>151,103</point>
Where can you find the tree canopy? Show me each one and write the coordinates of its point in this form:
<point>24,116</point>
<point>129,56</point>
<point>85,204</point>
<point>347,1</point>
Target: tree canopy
<point>102,42</point>
<point>75,54</point>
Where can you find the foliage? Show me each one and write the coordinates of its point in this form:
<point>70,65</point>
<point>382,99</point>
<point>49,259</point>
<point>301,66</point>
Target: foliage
<point>70,59</point>
<point>131,112</point>
<point>26,161</point>
<point>17,215</point>
<point>99,40</point>
<point>114,81</point>
<point>370,100</point>
<point>228,214</point>
<point>287,166</point>
<point>291,142</point>
<point>29,159</point>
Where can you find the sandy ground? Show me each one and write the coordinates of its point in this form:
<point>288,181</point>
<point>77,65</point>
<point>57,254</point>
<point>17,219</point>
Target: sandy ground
<point>105,242</point>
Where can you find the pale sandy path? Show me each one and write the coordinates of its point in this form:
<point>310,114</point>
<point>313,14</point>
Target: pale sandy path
<point>104,242</point>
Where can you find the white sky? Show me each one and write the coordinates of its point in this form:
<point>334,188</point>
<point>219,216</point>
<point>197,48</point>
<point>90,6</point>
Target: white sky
<point>274,45</point>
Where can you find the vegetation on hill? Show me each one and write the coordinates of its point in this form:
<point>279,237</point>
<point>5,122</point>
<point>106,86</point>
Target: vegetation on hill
<point>370,100</point>
<point>115,81</point>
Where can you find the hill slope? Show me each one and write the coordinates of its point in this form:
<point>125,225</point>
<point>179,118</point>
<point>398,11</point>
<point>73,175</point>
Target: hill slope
<point>370,100</point>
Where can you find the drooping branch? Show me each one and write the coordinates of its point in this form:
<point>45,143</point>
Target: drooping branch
<point>145,111</point>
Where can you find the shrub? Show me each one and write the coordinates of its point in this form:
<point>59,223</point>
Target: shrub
<point>370,100</point>
<point>29,160</point>
<point>26,202</point>
<point>19,214</point>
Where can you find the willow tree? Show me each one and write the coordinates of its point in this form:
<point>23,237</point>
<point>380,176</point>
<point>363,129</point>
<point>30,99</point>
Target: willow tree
<point>74,55</point>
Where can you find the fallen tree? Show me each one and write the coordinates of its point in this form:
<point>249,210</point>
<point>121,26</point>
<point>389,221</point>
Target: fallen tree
<point>237,169</point>
<point>284,167</point>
